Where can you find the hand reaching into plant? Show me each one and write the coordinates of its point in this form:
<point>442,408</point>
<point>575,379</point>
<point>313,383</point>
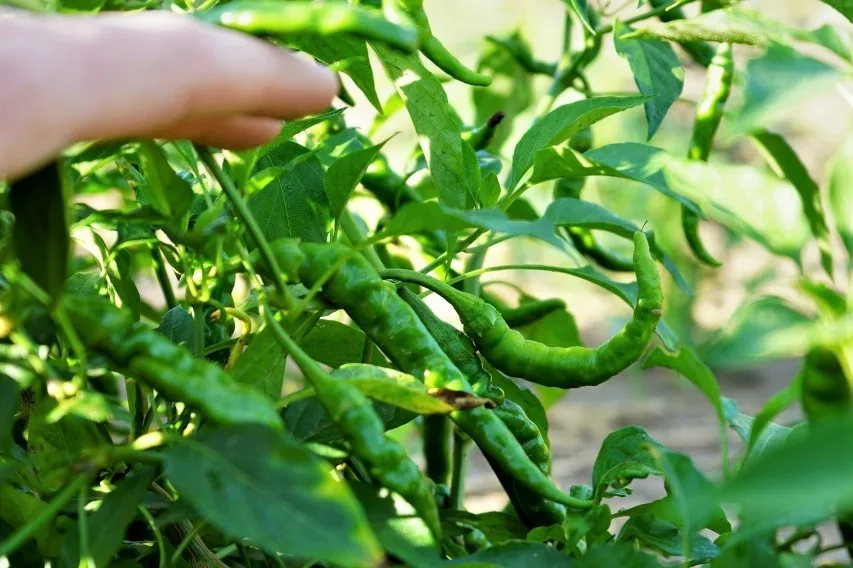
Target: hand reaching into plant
<point>153,74</point>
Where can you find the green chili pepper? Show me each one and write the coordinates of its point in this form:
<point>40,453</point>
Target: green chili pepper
<point>436,436</point>
<point>582,238</point>
<point>700,51</point>
<point>525,313</point>
<point>534,509</point>
<point>431,47</point>
<point>566,367</point>
<point>395,328</point>
<point>138,351</point>
<point>709,114</point>
<point>354,414</point>
<point>269,18</point>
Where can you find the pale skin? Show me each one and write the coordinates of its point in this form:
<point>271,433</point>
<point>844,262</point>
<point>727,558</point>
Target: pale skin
<point>66,79</point>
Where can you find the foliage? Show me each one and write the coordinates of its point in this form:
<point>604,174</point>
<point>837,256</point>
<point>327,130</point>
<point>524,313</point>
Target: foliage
<point>169,432</point>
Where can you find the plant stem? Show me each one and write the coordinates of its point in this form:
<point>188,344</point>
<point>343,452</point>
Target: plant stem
<point>457,475</point>
<point>249,221</point>
<point>295,397</point>
<point>356,236</point>
<point>23,534</point>
<point>83,528</point>
<point>645,15</point>
<point>163,278</point>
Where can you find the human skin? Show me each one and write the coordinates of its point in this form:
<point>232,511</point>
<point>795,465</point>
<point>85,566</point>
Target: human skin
<point>67,79</point>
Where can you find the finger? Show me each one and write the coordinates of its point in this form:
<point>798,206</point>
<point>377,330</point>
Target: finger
<point>233,133</point>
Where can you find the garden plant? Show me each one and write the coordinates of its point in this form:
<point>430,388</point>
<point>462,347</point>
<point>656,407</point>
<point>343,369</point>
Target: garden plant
<point>292,398</point>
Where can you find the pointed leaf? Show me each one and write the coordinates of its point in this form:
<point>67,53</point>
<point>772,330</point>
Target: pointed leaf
<point>262,364</point>
<point>344,174</point>
<point>163,189</point>
<point>177,326</point>
<point>841,193</point>
<point>657,73</point>
<point>559,125</point>
<point>392,387</point>
<point>255,483</point>
<point>625,455</point>
<point>664,537</point>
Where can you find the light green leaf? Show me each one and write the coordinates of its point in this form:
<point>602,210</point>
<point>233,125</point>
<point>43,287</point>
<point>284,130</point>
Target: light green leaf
<point>517,554</point>
<point>262,364</point>
<point>439,131</point>
<point>787,164</point>
<point>625,455</point>
<point>392,387</point>
<point>776,83</point>
<point>559,125</point>
<point>610,555</point>
<point>657,72</point>
<point>841,193</point>
<point>771,435</point>
<point>344,174</point>
<point>163,189</point>
<point>490,190</point>
<point>255,483</point>
<point>334,344</point>
<point>663,537</point>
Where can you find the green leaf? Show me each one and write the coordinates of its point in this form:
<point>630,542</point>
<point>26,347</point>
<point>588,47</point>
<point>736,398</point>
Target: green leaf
<point>665,538</point>
<point>611,555</point>
<point>399,531</point>
<point>787,164</point>
<point>10,398</point>
<point>177,326</point>
<point>392,387</point>
<point>686,363</point>
<point>841,193</point>
<point>498,527</point>
<point>559,125</point>
<point>439,131</point>
<point>625,455</point>
<point>803,479</point>
<point>108,524</point>
<point>774,406</point>
<point>490,191</point>
<point>657,72</point>
<point>776,83</point>
<point>759,331</point>
<point>17,508</point>
<point>510,93</point>
<point>524,397</point>
<point>255,483</point>
<point>163,189</point>
<point>517,554</point>
<point>344,174</point>
<point>262,364</point>
<point>40,235</point>
<point>772,216</point>
<point>771,435</point>
<point>294,204</point>
<point>334,344</point>
<point>331,49</point>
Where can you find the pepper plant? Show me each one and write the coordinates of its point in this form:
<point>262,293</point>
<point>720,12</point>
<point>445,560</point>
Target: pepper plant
<point>166,432</point>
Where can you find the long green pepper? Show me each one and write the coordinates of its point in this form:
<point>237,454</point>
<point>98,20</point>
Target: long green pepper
<point>138,351</point>
<point>353,413</point>
<point>535,510</point>
<point>564,367</point>
<point>709,114</point>
<point>395,328</point>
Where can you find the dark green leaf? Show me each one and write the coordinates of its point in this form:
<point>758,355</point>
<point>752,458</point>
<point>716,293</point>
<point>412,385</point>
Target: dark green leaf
<point>559,125</point>
<point>163,189</point>
<point>612,555</point>
<point>334,344</point>
<point>255,483</point>
<point>776,83</point>
<point>496,526</point>
<point>663,537</point>
<point>625,455</point>
<point>177,325</point>
<point>439,130</point>
<point>344,174</point>
<point>771,435</point>
<point>693,495</point>
<point>657,72</point>
<point>262,364</point>
<point>294,204</point>
<point>517,554</point>
<point>107,525</point>
<point>337,48</point>
<point>40,235</point>
<point>9,400</point>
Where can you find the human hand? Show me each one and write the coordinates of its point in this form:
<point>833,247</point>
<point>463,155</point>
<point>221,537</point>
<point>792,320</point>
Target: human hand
<point>154,75</point>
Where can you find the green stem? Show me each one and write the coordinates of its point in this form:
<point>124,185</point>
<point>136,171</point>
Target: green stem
<point>249,221</point>
<point>457,476</point>
<point>645,15</point>
<point>176,555</point>
<point>357,237</point>
<point>163,278</point>
<point>158,536</point>
<point>83,526</point>
<point>295,397</point>
<point>19,537</point>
